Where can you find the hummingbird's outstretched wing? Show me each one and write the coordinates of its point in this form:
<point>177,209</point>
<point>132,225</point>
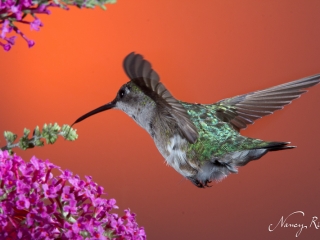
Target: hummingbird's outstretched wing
<point>142,75</point>
<point>245,109</point>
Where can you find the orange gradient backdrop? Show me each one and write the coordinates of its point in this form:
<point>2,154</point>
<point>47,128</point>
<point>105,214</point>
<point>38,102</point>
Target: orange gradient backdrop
<point>203,51</point>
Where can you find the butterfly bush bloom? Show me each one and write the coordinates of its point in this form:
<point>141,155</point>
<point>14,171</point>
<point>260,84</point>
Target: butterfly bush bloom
<point>17,11</point>
<point>36,204</point>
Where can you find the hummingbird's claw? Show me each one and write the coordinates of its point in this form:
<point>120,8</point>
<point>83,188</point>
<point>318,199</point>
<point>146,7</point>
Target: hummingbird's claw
<point>206,183</point>
<point>198,183</point>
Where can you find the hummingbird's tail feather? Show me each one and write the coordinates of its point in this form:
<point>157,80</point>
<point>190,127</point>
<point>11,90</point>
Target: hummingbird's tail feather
<point>243,157</point>
<point>276,146</point>
<point>218,168</point>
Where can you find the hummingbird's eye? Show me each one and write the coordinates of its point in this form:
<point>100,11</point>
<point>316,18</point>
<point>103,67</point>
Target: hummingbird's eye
<point>121,93</point>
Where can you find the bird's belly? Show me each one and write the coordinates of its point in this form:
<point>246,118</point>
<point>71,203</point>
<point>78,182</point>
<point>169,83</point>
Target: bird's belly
<point>175,156</point>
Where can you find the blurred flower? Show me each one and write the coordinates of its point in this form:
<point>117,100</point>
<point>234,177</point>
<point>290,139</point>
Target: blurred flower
<point>35,204</point>
<point>5,28</point>
<point>15,11</point>
<point>36,24</point>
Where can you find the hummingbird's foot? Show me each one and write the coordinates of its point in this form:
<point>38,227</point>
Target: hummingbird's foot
<point>206,183</point>
<point>198,183</point>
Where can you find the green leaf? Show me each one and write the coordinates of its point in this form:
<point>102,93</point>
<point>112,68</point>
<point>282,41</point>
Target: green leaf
<point>39,143</point>
<point>10,137</point>
<point>24,143</point>
<point>52,138</point>
<point>26,132</point>
<point>69,133</point>
<point>55,128</point>
<point>36,132</point>
<point>50,133</point>
<point>65,129</point>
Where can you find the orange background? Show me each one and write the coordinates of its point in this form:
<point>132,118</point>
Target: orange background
<point>203,52</point>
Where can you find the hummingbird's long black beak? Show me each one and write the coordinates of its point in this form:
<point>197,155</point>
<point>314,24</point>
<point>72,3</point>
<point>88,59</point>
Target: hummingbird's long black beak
<point>95,111</point>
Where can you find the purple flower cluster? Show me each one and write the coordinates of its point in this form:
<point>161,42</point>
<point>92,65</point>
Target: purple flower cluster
<point>35,204</point>
<point>12,11</point>
<point>16,11</point>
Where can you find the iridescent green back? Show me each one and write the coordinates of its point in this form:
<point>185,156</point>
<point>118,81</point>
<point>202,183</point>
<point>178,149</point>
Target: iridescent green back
<point>216,138</point>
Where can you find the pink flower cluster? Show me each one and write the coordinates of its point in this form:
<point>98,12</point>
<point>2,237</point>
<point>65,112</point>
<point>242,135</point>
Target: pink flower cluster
<point>35,204</point>
<point>12,11</point>
<point>16,11</point>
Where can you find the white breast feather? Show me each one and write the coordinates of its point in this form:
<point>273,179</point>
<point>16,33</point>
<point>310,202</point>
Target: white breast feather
<point>176,155</point>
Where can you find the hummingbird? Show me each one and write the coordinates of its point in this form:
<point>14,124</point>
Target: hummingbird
<point>202,142</point>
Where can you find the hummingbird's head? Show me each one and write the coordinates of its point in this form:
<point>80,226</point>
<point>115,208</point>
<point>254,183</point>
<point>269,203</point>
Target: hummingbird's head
<point>143,94</point>
<point>129,99</point>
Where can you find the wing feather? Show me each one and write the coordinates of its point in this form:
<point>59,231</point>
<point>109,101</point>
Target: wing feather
<point>245,109</point>
<point>141,74</point>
